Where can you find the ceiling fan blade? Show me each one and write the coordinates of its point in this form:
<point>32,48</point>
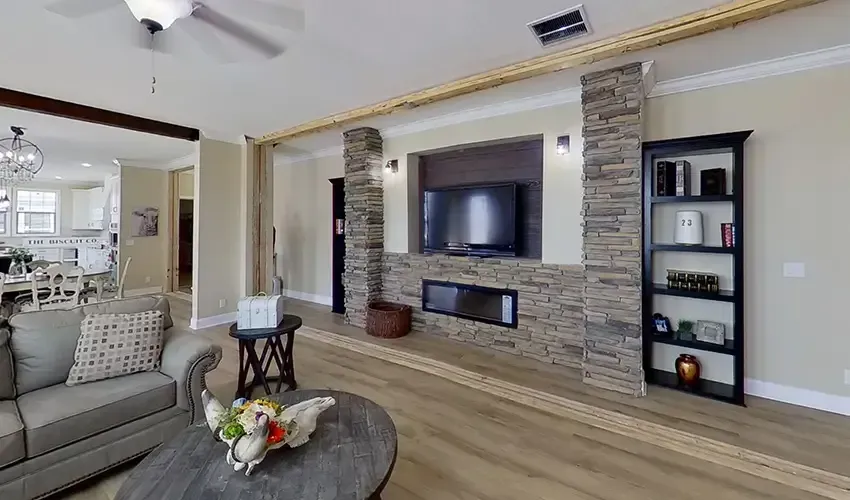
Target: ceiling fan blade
<point>80,8</point>
<point>205,38</point>
<point>263,12</point>
<point>227,25</point>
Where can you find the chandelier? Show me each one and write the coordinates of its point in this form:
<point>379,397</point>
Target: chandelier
<point>20,161</point>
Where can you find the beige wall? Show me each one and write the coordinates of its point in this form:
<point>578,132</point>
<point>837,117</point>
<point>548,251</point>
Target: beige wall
<point>140,188</point>
<point>217,264</point>
<point>302,217</point>
<point>561,175</point>
<point>303,195</point>
<point>797,181</point>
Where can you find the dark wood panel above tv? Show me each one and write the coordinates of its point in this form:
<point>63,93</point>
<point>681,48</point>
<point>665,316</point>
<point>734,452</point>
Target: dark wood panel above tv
<point>519,162</point>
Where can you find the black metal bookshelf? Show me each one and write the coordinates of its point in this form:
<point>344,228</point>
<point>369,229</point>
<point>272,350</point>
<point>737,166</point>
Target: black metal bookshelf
<point>732,143</point>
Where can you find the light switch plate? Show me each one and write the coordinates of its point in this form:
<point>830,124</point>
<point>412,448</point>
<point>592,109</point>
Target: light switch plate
<point>131,243</point>
<point>847,377</point>
<point>794,270</point>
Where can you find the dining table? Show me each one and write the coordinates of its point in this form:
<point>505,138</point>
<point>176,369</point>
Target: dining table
<point>23,282</point>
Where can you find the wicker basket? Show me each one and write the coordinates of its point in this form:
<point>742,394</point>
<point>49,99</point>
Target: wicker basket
<point>387,320</point>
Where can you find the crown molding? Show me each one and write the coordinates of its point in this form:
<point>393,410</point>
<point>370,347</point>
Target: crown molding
<point>557,98</point>
<point>510,107</point>
<point>823,58</point>
<point>310,155</point>
<point>832,56</point>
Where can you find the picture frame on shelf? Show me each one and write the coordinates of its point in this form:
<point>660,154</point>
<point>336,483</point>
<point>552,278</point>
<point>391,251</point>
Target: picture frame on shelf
<point>711,332</point>
<point>661,325</point>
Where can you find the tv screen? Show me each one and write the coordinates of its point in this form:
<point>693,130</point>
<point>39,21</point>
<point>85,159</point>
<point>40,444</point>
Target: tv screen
<point>475,220</point>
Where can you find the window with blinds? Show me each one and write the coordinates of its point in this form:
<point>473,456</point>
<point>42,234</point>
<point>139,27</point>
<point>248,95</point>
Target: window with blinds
<point>36,211</point>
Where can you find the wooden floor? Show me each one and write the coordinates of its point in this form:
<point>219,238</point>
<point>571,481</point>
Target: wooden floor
<point>456,442</point>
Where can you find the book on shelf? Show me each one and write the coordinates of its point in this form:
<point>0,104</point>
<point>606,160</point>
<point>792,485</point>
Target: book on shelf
<point>727,233</point>
<point>683,178</point>
<point>665,178</point>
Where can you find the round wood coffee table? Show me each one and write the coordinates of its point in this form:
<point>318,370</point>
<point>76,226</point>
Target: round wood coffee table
<point>349,457</point>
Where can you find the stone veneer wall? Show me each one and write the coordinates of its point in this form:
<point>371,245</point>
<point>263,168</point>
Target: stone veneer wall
<point>612,103</point>
<point>364,221</point>
<point>550,306</point>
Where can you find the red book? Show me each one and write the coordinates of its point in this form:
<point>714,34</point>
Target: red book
<point>727,235</point>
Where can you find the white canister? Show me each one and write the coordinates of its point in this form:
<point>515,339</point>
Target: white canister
<point>688,228</point>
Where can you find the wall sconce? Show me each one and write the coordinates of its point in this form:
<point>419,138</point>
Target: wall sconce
<point>392,166</point>
<point>563,145</point>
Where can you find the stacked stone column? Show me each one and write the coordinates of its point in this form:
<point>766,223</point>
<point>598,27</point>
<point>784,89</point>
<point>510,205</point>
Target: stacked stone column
<point>364,221</point>
<point>612,105</point>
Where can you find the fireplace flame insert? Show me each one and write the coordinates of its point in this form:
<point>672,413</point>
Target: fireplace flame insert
<point>496,306</point>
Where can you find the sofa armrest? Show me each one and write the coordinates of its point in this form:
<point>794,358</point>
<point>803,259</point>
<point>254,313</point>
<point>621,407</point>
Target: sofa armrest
<point>187,358</point>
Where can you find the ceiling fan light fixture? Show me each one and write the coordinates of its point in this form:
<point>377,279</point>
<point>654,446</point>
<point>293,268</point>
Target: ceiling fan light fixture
<point>158,15</point>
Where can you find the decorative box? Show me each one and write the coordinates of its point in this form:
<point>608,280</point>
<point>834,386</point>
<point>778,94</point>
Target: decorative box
<point>260,311</point>
<point>712,332</point>
<point>712,181</point>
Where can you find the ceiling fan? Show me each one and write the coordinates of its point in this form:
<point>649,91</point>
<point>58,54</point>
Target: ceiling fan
<point>198,19</point>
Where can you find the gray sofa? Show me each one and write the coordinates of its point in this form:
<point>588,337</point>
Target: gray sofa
<point>52,435</point>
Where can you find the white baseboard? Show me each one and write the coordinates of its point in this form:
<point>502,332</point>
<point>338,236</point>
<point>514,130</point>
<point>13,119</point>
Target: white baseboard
<point>309,297</point>
<point>210,321</point>
<point>797,396</point>
<point>143,291</point>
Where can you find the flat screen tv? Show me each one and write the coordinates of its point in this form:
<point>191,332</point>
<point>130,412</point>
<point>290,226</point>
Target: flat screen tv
<point>471,220</point>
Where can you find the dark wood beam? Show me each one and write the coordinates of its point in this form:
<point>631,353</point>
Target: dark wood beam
<point>64,109</point>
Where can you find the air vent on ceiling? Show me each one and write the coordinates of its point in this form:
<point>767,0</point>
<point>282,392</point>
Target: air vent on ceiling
<point>561,26</point>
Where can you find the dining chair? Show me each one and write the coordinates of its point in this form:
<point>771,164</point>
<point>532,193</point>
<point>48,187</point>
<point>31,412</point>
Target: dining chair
<point>40,264</point>
<point>103,288</point>
<point>63,285</point>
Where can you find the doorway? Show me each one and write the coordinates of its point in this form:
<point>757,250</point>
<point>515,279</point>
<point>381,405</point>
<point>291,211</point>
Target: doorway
<point>182,210</point>
<point>338,239</point>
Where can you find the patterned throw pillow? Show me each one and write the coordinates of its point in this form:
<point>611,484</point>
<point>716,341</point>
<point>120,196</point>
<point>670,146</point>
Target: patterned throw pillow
<point>111,345</point>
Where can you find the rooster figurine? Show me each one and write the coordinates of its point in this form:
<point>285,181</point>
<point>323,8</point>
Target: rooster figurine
<point>251,449</point>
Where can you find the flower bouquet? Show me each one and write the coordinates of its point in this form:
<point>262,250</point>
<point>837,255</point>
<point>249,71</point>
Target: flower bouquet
<point>252,428</point>
<point>243,416</point>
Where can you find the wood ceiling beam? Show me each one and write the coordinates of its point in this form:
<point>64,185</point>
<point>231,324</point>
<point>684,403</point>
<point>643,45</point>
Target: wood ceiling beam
<point>705,21</point>
<point>64,109</point>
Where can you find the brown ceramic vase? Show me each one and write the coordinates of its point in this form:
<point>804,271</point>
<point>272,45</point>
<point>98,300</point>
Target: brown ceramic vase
<point>687,369</point>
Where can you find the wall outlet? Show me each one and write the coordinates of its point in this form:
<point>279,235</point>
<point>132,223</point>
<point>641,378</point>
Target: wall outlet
<point>147,279</point>
<point>794,270</point>
<point>847,377</point>
<point>222,303</point>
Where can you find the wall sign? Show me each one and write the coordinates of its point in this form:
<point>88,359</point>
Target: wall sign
<point>55,242</point>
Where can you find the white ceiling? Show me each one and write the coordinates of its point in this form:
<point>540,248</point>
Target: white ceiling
<point>351,53</point>
<point>356,53</point>
<point>67,144</point>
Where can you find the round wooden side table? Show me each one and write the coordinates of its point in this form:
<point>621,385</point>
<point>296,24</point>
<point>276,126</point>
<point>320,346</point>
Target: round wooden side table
<point>274,349</point>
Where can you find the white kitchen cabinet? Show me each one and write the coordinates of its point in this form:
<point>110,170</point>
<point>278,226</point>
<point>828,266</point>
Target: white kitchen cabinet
<point>88,208</point>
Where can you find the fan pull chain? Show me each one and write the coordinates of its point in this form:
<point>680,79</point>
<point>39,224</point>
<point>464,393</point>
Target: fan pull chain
<point>153,66</point>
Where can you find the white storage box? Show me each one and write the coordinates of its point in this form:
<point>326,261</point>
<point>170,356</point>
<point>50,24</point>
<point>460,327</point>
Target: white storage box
<point>259,311</point>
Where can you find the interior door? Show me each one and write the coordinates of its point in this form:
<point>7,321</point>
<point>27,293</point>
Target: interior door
<point>338,238</point>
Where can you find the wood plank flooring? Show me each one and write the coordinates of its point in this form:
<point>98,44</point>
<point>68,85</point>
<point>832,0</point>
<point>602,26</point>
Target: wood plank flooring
<point>457,442</point>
